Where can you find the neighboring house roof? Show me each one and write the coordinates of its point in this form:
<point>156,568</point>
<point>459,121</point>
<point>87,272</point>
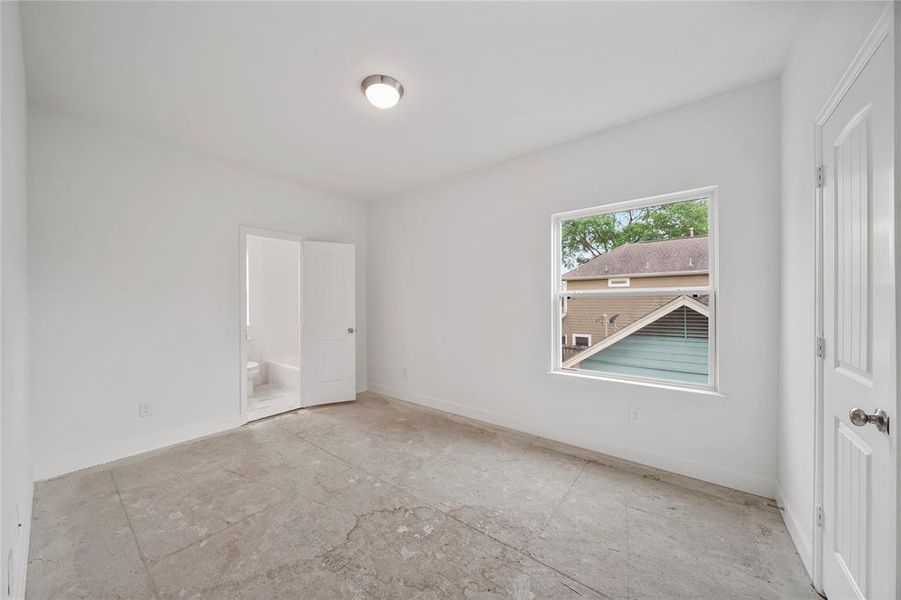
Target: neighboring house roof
<point>646,320</point>
<point>683,255</point>
<point>658,357</point>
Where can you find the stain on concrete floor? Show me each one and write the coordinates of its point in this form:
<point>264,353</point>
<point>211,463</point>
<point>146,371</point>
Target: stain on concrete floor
<point>382,499</point>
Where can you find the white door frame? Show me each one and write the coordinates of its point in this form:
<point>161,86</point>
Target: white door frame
<point>876,36</point>
<point>244,231</point>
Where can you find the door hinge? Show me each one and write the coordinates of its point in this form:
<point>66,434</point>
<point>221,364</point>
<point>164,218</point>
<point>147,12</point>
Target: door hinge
<point>820,176</point>
<point>821,347</point>
<point>821,517</point>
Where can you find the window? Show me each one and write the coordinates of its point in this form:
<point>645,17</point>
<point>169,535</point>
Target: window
<point>635,290</point>
<point>582,340</point>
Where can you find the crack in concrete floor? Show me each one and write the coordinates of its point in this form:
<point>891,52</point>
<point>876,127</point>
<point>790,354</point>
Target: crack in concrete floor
<point>382,499</point>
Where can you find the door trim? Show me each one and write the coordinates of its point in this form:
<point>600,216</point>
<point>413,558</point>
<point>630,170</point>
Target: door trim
<point>866,52</point>
<point>243,232</point>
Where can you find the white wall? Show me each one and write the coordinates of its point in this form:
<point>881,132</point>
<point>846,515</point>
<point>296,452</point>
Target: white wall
<point>274,298</point>
<point>460,280</point>
<point>15,498</point>
<point>824,49</point>
<point>135,286</point>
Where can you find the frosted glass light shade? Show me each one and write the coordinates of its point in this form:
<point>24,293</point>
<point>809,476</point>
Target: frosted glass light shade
<point>382,91</point>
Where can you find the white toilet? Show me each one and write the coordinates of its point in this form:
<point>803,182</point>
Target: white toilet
<point>253,371</point>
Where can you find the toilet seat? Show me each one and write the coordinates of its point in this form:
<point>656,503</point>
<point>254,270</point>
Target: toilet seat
<point>253,371</point>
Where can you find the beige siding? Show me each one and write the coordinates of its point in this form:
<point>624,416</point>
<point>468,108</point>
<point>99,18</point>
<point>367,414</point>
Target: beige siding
<point>641,282</point>
<point>585,315</point>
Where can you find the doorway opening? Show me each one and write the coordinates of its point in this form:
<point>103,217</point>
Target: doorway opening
<point>271,322</point>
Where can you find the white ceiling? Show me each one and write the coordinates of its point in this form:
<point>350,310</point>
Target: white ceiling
<point>275,86</point>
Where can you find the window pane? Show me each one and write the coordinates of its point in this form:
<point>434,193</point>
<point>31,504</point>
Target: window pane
<point>614,245</point>
<point>650,337</point>
<point>663,337</point>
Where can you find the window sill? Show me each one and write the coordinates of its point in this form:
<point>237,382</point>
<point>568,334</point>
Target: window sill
<point>702,393</point>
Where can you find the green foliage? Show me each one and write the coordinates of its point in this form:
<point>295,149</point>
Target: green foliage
<point>589,237</point>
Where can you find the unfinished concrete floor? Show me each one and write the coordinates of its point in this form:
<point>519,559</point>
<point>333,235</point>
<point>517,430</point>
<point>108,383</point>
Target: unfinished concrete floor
<point>381,499</point>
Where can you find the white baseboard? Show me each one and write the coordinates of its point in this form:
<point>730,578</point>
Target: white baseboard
<point>109,451</point>
<point>796,531</point>
<point>105,452</point>
<point>724,476</point>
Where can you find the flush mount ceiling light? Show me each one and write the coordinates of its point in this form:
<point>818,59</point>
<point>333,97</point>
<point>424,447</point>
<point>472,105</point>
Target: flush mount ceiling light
<point>382,91</point>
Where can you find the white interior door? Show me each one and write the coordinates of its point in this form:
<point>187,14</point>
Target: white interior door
<point>328,350</point>
<point>859,370</point>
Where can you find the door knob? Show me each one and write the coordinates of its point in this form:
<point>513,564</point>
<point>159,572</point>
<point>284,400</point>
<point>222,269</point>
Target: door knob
<point>879,418</point>
<point>350,330</point>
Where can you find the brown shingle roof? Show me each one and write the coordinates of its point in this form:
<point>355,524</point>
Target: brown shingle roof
<point>665,256</point>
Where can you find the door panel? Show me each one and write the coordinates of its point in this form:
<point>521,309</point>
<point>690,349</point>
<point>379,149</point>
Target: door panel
<point>852,494</point>
<point>852,246</point>
<point>328,353</point>
<point>859,461</point>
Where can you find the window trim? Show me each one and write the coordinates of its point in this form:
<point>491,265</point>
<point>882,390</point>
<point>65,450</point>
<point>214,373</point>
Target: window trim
<point>711,290</point>
<point>619,282</point>
<point>584,335</point>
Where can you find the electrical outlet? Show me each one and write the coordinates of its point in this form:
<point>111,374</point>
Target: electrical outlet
<point>145,409</point>
<point>635,415</point>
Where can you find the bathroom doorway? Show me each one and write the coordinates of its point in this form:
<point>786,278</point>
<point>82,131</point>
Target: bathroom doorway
<point>271,322</point>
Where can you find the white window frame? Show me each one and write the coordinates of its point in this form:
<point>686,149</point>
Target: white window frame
<point>584,335</point>
<point>710,290</point>
<point>619,282</point>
